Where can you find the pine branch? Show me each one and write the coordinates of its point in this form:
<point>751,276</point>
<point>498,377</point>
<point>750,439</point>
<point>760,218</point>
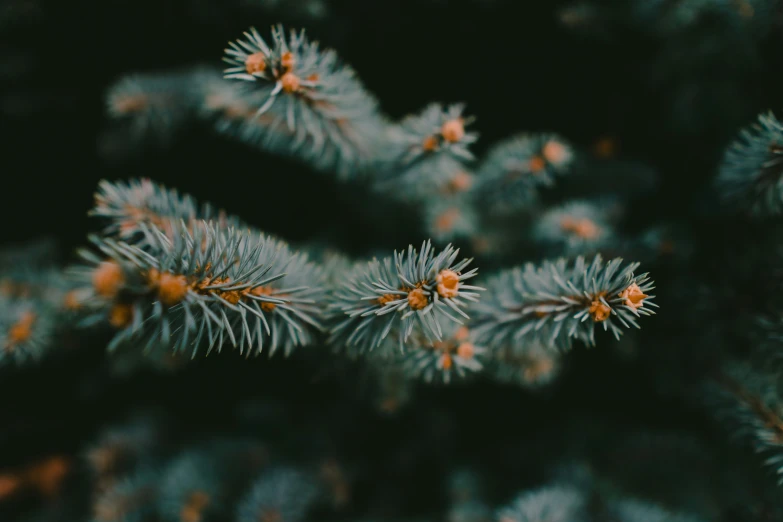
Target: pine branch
<point>155,106</point>
<point>575,228</point>
<point>27,329</point>
<point>516,169</point>
<point>628,510</point>
<point>36,301</point>
<point>529,364</point>
<point>751,398</point>
<point>316,109</point>
<point>400,296</point>
<point>552,503</point>
<point>455,355</point>
<point>279,494</point>
<point>134,497</point>
<point>561,301</point>
<point>133,209</point>
<point>451,218</point>
<point>210,286</point>
<point>751,175</point>
<point>426,153</point>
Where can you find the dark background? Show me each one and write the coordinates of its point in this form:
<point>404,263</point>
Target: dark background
<point>515,66</point>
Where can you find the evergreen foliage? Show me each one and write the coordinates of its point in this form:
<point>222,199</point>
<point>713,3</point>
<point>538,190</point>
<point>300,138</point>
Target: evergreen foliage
<point>503,366</point>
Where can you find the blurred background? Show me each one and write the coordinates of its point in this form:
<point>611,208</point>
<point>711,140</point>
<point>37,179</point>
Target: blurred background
<point>670,91</point>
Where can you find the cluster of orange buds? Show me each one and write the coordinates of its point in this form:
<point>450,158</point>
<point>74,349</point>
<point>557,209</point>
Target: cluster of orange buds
<point>451,131</point>
<point>45,477</point>
<point>458,346</point>
<point>584,228</point>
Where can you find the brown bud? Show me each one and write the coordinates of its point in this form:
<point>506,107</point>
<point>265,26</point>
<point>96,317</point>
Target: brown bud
<point>21,330</point>
<point>71,301</point>
<point>262,291</point>
<point>417,299</point>
<point>386,298</point>
<point>446,361</point>
<point>255,63</point>
<point>555,152</point>
<point>453,130</point>
<point>287,60</point>
<point>599,311</point>
<point>448,283</point>
<point>120,315</point>
<point>194,507</point>
<point>430,143</point>
<point>460,182</point>
<point>462,333</point>
<point>537,164</point>
<point>633,295</point>
<point>445,221</point>
<point>583,228</point>
<point>466,350</point>
<point>291,82</point>
<point>172,288</point>
<point>107,279</point>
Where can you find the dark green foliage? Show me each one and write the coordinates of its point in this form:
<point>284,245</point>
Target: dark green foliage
<point>608,147</point>
<point>751,176</point>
